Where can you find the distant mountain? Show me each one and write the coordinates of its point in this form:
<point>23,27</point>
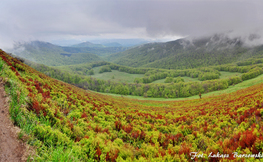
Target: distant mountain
<point>112,44</point>
<point>102,52</point>
<point>122,42</point>
<point>188,53</point>
<point>51,55</point>
<point>87,44</point>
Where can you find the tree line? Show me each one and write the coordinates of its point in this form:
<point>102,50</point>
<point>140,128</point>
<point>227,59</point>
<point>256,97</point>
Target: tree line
<point>200,73</point>
<point>173,89</point>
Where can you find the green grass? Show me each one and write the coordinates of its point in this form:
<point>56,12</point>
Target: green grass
<point>118,76</point>
<point>186,79</point>
<point>225,74</point>
<point>242,85</point>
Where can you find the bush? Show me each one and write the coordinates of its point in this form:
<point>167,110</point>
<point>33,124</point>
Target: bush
<point>105,68</point>
<point>178,79</point>
<point>91,72</point>
<point>168,80</point>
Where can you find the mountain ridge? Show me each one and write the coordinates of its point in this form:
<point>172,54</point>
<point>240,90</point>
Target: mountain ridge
<point>87,44</point>
<point>188,53</point>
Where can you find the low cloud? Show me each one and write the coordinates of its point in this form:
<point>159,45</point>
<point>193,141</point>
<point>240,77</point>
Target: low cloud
<point>63,19</point>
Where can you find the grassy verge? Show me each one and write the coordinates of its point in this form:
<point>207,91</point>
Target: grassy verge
<point>30,123</point>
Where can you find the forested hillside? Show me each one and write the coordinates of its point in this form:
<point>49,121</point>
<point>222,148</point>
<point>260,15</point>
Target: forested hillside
<point>53,55</point>
<point>188,53</point>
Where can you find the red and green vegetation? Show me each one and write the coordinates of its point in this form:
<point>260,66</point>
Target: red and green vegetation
<point>66,122</point>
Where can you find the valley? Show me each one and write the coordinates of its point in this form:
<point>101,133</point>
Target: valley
<point>68,123</point>
<point>103,111</point>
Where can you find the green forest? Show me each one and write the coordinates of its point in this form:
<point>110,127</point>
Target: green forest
<point>174,86</point>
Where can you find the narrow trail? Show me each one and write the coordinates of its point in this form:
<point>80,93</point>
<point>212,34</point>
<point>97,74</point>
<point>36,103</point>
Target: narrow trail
<point>11,149</point>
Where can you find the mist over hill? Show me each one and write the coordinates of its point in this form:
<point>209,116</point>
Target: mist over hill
<point>189,52</point>
<point>54,55</point>
<point>192,52</point>
<point>50,54</point>
<point>121,42</point>
<point>103,45</point>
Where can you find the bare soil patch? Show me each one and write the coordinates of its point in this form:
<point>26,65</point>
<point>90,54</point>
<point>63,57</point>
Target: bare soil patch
<point>11,149</point>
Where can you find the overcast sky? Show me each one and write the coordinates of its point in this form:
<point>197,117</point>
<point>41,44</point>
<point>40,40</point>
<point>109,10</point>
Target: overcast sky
<point>48,20</point>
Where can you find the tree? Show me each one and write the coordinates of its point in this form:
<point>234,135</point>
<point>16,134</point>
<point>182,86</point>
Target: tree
<point>105,68</point>
<point>168,80</point>
<point>91,72</point>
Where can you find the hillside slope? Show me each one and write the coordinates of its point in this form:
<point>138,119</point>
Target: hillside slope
<point>185,53</point>
<point>68,123</point>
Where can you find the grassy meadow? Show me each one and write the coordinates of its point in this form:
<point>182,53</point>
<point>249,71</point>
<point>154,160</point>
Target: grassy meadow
<point>116,76</point>
<point>226,74</point>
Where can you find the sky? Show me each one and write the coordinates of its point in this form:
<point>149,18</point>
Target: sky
<point>51,20</point>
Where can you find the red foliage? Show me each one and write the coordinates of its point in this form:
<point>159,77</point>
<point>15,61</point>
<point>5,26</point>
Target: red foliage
<point>195,134</point>
<point>248,139</point>
<point>97,129</point>
<point>22,79</point>
<point>161,152</point>
<point>35,107</point>
<point>142,135</point>
<point>70,125</point>
<point>84,115</point>
<point>107,112</point>
<point>98,153</point>
<point>87,137</point>
<point>127,128</point>
<point>185,150</point>
<point>106,130</point>
<point>257,113</point>
<point>56,112</point>
<point>77,139</point>
<point>135,134</point>
<point>118,125</point>
<point>178,136</point>
<point>14,69</point>
<point>29,89</point>
<point>112,156</point>
<point>46,94</point>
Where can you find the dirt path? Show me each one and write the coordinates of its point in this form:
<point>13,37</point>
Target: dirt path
<point>11,149</point>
